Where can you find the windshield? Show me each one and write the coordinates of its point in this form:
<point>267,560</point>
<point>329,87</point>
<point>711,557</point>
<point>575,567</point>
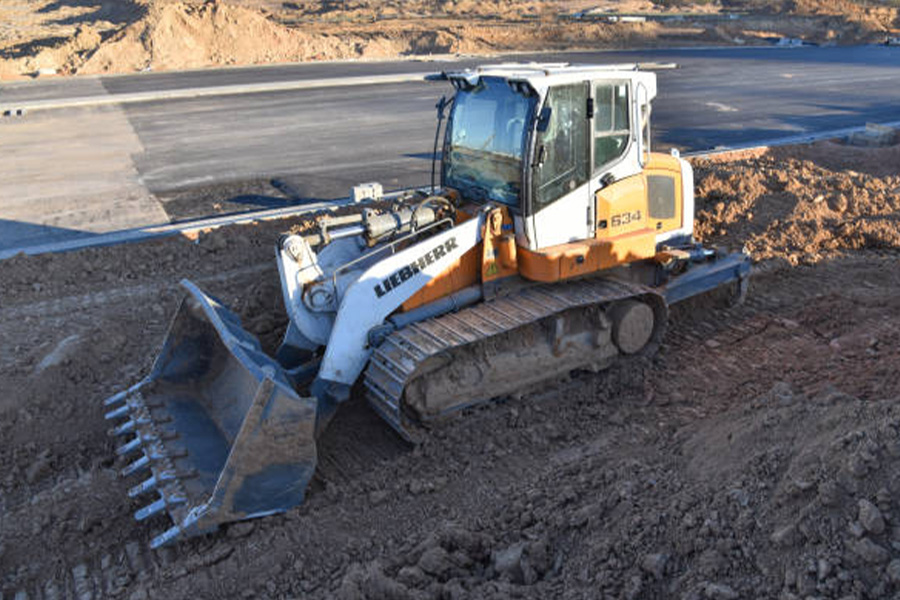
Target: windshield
<point>486,142</point>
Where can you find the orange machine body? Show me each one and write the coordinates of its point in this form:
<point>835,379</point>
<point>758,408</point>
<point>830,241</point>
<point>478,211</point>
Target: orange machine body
<point>627,224</point>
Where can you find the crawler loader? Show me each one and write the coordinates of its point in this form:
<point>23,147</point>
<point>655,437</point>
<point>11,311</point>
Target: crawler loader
<point>554,240</point>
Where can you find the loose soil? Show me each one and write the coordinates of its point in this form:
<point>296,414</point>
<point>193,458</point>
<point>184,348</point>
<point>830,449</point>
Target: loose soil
<point>40,37</point>
<point>757,456</point>
<point>802,205</point>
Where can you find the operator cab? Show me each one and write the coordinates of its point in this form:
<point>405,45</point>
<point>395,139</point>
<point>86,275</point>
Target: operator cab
<point>544,140</point>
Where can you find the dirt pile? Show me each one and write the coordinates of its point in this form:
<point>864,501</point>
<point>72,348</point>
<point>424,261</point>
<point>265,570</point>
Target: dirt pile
<point>45,36</point>
<point>849,21</point>
<point>178,36</point>
<point>184,35</point>
<point>869,16</point>
<point>821,21</point>
<point>369,10</point>
<point>40,36</point>
<point>798,206</point>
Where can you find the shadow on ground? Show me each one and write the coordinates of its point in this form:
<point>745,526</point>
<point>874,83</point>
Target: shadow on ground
<point>31,48</point>
<point>117,12</point>
<point>107,16</point>
<point>16,235</point>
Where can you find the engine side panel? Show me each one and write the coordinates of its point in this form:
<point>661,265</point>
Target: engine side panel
<point>380,290</point>
<point>458,275</point>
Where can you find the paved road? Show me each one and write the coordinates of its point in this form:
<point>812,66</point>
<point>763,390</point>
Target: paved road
<point>317,143</point>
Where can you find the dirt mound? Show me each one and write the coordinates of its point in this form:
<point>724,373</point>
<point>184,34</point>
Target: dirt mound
<point>179,36</point>
<point>47,36</point>
<point>182,35</point>
<point>41,36</point>
<point>186,34</point>
<point>368,10</point>
<point>796,205</point>
<point>869,16</point>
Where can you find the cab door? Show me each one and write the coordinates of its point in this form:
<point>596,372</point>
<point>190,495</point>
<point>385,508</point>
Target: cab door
<point>560,202</point>
<point>612,131</point>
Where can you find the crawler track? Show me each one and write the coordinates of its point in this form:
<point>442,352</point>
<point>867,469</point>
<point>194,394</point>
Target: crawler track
<point>496,348</point>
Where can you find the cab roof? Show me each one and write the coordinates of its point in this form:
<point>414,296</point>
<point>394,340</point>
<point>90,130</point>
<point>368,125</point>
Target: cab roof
<point>541,76</point>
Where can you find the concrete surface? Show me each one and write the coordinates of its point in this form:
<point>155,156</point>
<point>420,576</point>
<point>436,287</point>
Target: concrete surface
<point>68,175</point>
<point>50,102</point>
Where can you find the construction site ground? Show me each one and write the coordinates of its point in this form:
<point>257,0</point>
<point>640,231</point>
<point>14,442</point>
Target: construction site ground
<point>756,456</point>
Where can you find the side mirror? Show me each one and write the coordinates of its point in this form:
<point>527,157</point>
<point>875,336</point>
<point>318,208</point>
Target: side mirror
<point>543,121</point>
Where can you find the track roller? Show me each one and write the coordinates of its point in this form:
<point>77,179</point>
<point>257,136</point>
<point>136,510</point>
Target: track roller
<point>633,325</point>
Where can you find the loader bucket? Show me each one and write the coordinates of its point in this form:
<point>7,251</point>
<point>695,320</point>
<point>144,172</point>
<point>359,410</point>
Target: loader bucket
<point>216,426</point>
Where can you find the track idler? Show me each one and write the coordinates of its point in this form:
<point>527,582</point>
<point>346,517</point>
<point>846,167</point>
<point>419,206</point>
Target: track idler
<point>216,429</point>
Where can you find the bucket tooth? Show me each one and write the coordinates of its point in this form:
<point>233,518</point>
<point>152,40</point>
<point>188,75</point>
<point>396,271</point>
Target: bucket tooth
<point>167,537</point>
<point>133,423</point>
<point>150,510</point>
<point>132,446</point>
<point>158,506</point>
<point>120,412</point>
<point>150,484</point>
<point>153,451</point>
<point>112,400</point>
<point>142,488</point>
<point>123,395</point>
<point>125,428</point>
<point>137,466</point>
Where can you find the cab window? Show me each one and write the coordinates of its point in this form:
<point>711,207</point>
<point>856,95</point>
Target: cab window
<point>611,131</point>
<point>562,149</point>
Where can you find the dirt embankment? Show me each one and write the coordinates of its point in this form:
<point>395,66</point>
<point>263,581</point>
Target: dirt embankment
<point>798,205</point>
<point>757,456</point>
<point>39,36</point>
<point>180,35</point>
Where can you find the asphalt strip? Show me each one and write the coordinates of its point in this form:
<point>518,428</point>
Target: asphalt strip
<point>187,227</point>
<point>22,108</point>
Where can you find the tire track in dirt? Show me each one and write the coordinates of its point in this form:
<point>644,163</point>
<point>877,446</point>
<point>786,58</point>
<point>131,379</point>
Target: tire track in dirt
<point>105,297</point>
